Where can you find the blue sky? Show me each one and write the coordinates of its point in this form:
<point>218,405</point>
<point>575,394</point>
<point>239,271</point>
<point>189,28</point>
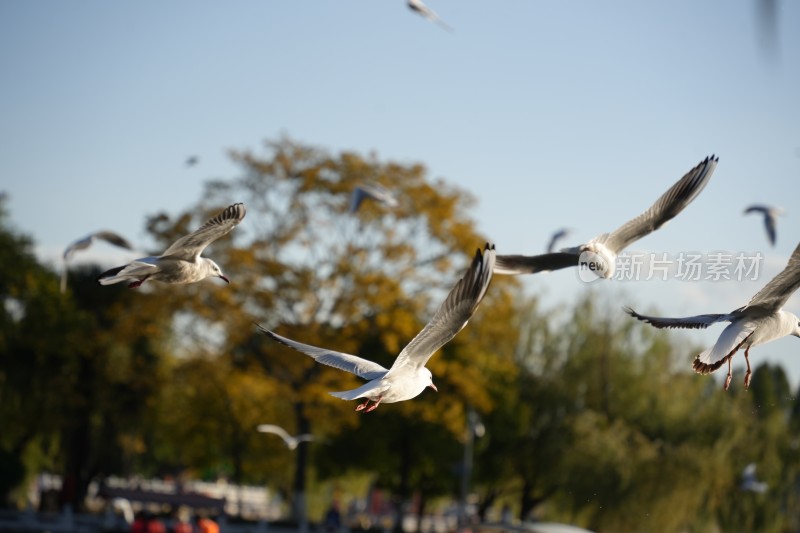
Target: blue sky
<point>572,113</point>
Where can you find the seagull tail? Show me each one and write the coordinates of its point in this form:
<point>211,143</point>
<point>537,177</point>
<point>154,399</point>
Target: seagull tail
<point>347,395</point>
<point>110,276</point>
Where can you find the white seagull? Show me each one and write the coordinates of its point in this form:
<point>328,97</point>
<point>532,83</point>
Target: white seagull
<point>750,482</point>
<point>373,192</point>
<point>557,236</point>
<point>770,218</point>
<point>760,321</point>
<point>291,442</point>
<point>81,244</point>
<point>181,262</point>
<point>418,7</point>
<point>408,376</point>
<point>600,253</point>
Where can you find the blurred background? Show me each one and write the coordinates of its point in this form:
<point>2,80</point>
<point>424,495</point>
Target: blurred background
<point>512,121</point>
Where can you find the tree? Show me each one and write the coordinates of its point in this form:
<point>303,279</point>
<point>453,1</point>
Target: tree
<point>363,282</point>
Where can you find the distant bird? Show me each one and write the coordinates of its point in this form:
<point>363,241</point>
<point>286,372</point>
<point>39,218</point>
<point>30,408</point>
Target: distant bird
<point>408,376</point>
<point>291,442</point>
<point>770,218</point>
<point>374,192</point>
<point>81,244</point>
<point>749,481</point>
<point>418,7</point>
<point>557,236</point>
<point>181,262</point>
<point>108,236</point>
<point>192,160</point>
<point>760,321</point>
<point>602,251</point>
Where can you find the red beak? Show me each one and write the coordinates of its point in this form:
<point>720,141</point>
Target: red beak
<point>226,279</point>
<point>433,387</point>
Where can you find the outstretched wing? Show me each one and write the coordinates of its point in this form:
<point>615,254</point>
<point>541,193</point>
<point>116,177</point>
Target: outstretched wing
<point>190,246</point>
<point>114,238</point>
<point>453,314</point>
<point>362,368</point>
<point>689,322</point>
<point>780,288</point>
<point>530,264</point>
<point>664,209</point>
<point>557,236</point>
<point>277,430</point>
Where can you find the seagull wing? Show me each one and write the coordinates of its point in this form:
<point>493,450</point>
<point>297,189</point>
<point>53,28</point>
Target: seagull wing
<point>190,246</point>
<point>356,197</point>
<point>664,209</point>
<point>780,288</point>
<point>689,322</point>
<point>114,238</point>
<point>530,264</point>
<point>769,225</point>
<point>558,235</point>
<point>362,368</point>
<point>453,314</point>
<point>80,244</point>
<point>277,430</point>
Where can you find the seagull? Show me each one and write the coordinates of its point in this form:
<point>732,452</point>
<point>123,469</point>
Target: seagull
<point>749,481</point>
<point>760,321</point>
<point>192,160</point>
<point>291,442</point>
<point>374,192</point>
<point>770,217</point>
<point>557,236</point>
<point>82,244</point>
<point>418,7</point>
<point>181,262</point>
<point>108,236</point>
<point>408,376</point>
<point>600,253</point>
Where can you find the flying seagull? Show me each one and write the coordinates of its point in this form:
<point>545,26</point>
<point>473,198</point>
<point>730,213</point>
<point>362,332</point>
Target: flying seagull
<point>602,251</point>
<point>291,442</point>
<point>408,376</point>
<point>181,262</point>
<point>418,7</point>
<point>770,218</point>
<point>81,244</point>
<point>192,160</point>
<point>760,321</point>
<point>750,482</point>
<point>372,192</point>
<point>557,236</point>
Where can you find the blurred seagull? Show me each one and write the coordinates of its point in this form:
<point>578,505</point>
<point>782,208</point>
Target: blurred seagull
<point>181,262</point>
<point>291,442</point>
<point>418,7</point>
<point>557,236</point>
<point>371,191</point>
<point>770,218</point>
<point>81,244</point>
<point>749,481</point>
<point>192,160</point>
<point>108,236</point>
<point>408,376</point>
<point>760,321</point>
<point>602,251</point>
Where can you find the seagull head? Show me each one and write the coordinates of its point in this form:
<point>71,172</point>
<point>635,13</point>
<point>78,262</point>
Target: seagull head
<point>215,270</point>
<point>597,259</point>
<point>797,329</point>
<point>429,377</point>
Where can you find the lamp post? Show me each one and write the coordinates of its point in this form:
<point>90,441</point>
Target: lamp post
<point>475,428</point>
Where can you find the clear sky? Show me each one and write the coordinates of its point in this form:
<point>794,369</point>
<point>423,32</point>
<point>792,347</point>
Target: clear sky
<point>568,113</point>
